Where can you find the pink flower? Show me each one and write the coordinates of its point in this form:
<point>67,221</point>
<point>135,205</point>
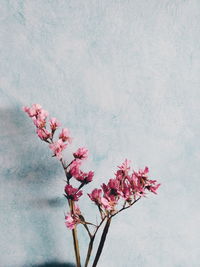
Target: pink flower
<point>57,148</point>
<point>36,110</point>
<point>72,193</point>
<point>70,221</point>
<point>74,168</point>
<point>152,186</point>
<point>42,114</point>
<point>81,153</point>
<point>125,167</point>
<point>33,111</point>
<point>65,135</point>
<point>142,174</point>
<point>54,124</point>
<point>85,177</point>
<point>76,209</point>
<point>127,192</point>
<point>39,122</point>
<point>108,205</point>
<point>114,187</point>
<point>43,134</point>
<point>96,196</point>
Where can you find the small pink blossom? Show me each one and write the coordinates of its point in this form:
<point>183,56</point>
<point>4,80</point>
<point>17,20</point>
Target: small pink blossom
<point>125,167</point>
<point>33,110</point>
<point>42,114</point>
<point>76,209</point>
<point>142,174</point>
<point>107,204</point>
<point>96,196</point>
<point>74,168</point>
<point>152,186</point>
<point>65,135</point>
<point>81,153</point>
<point>85,177</point>
<point>39,122</point>
<point>72,218</point>
<point>73,193</point>
<point>54,124</point>
<point>43,134</point>
<point>57,148</point>
<point>127,192</point>
<point>114,187</point>
<point>70,221</point>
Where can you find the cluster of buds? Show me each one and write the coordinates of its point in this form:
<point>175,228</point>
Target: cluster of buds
<point>46,131</point>
<point>125,186</point>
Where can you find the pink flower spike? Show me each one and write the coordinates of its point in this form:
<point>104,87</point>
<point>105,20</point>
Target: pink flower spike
<point>57,148</point>
<point>54,124</point>
<point>81,153</point>
<point>65,135</point>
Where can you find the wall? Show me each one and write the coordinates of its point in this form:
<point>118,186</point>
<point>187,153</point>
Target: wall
<point>123,76</point>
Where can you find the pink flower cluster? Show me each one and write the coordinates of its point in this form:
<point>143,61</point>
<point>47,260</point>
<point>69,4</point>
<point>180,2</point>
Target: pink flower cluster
<point>125,185</point>
<point>39,117</point>
<point>74,167</point>
<point>46,132</point>
<point>73,218</point>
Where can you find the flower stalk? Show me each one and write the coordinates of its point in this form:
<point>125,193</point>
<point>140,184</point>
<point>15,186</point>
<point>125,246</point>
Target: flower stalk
<point>102,241</point>
<point>126,187</point>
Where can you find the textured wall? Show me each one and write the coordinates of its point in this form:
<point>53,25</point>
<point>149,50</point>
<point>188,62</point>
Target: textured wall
<point>124,77</point>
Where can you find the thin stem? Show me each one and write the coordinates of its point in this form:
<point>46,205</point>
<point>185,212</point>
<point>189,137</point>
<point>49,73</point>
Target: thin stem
<point>87,229</point>
<point>76,247</point>
<point>104,234</point>
<point>75,240</point>
<point>90,247</point>
<point>102,241</point>
<point>100,210</point>
<point>124,208</point>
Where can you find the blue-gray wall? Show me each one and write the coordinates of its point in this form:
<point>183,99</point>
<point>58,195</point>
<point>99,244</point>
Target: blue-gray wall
<point>123,76</point>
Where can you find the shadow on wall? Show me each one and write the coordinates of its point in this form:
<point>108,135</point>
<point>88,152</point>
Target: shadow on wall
<point>26,164</point>
<point>24,156</point>
<point>54,264</point>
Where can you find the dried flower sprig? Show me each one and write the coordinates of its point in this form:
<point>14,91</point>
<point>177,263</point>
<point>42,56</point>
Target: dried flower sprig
<point>120,193</point>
